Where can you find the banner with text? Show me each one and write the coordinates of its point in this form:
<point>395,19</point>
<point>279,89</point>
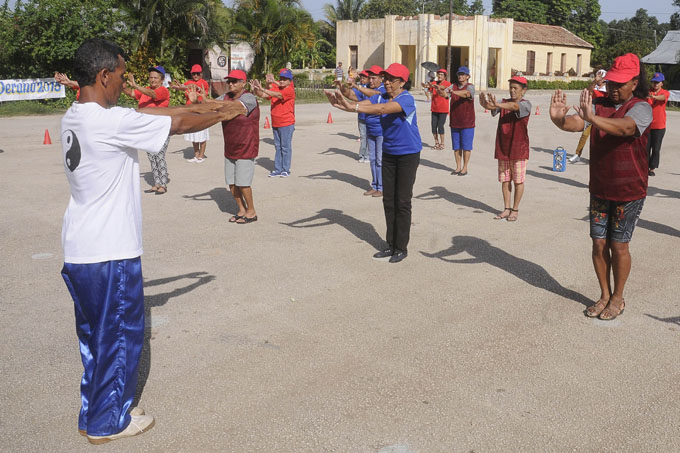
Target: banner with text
<point>30,89</point>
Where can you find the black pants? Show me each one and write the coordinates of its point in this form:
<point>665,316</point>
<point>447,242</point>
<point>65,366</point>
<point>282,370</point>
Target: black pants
<point>654,147</point>
<point>438,122</point>
<point>399,175</point>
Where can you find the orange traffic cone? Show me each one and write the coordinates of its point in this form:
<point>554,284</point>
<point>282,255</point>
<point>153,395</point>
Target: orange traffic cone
<point>266,123</point>
<point>330,119</point>
<point>47,140</point>
<point>538,112</point>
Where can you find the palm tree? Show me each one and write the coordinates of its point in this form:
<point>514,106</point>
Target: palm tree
<point>343,10</point>
<point>275,28</point>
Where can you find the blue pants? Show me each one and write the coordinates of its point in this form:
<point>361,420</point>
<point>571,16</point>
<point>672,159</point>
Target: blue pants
<point>375,153</point>
<point>109,305</point>
<point>283,143</point>
<point>363,145</point>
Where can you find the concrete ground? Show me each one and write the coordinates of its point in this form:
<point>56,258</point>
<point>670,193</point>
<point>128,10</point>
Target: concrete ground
<point>284,335</point>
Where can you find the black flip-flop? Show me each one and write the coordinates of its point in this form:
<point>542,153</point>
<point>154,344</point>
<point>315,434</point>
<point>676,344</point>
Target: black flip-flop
<point>235,218</point>
<point>246,220</point>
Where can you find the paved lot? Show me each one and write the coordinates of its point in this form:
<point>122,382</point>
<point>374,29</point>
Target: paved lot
<point>285,336</point>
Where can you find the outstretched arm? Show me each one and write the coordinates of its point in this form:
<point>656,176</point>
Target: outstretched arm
<point>558,114</point>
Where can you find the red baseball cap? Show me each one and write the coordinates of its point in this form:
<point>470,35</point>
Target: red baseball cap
<point>196,68</point>
<point>518,79</point>
<point>442,70</point>
<point>363,73</point>
<point>397,70</point>
<point>375,69</point>
<point>624,69</point>
<point>236,74</point>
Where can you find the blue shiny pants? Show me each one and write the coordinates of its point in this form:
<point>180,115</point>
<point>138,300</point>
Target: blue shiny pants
<point>109,306</point>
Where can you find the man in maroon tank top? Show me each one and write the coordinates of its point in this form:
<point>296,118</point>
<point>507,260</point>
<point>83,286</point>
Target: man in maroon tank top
<point>618,172</point>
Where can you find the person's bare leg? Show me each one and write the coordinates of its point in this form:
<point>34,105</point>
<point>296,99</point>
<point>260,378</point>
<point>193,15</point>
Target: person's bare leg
<point>458,155</point>
<point>441,141</point>
<point>436,140</point>
<point>196,151</point>
<point>201,150</point>
<point>238,197</point>
<point>466,159</point>
<point>247,193</point>
<point>620,268</point>
<point>519,191</point>
<point>602,265</point>
<point>506,189</point>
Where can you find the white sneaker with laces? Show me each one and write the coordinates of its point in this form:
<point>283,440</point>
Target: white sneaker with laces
<point>138,424</point>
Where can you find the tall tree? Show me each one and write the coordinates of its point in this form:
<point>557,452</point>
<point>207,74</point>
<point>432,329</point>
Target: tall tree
<point>275,28</point>
<point>343,10</point>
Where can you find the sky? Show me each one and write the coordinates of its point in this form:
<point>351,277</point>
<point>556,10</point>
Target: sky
<point>611,9</point>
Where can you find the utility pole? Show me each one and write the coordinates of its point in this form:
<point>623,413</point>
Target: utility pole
<point>448,44</point>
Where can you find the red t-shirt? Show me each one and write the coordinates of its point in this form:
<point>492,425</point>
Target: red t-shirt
<point>658,109</point>
<point>162,98</point>
<point>599,94</point>
<point>439,104</point>
<point>201,83</point>
<point>283,110</point>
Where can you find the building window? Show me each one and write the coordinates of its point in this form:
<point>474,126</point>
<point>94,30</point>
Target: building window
<point>578,64</point>
<point>531,62</point>
<point>563,63</point>
<point>548,65</point>
<point>354,56</point>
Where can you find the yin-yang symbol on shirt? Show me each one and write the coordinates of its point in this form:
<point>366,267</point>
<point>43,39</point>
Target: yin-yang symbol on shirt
<point>72,146</point>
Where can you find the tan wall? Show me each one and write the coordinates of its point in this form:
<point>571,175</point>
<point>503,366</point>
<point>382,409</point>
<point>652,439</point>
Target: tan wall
<point>519,58</point>
<point>414,41</point>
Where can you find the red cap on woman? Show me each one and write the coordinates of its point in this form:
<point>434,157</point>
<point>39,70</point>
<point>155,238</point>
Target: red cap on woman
<point>397,70</point>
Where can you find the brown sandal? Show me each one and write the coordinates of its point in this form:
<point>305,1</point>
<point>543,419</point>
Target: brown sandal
<point>609,313</point>
<point>594,310</point>
<point>513,215</point>
<point>500,215</point>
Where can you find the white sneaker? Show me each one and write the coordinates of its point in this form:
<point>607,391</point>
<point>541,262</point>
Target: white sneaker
<point>193,159</point>
<point>199,161</point>
<point>134,412</point>
<point>575,158</point>
<point>138,425</point>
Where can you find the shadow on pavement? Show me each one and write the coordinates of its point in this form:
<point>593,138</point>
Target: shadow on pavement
<point>345,152</point>
<point>346,135</point>
<point>673,320</point>
<point>435,165</point>
<point>220,195</point>
<point>362,230</point>
<point>439,192</point>
<point>187,152</point>
<point>158,300</point>
<point>483,252</point>
<point>662,193</point>
<point>355,181</point>
<point>266,163</point>
<point>555,178</point>
<point>268,141</point>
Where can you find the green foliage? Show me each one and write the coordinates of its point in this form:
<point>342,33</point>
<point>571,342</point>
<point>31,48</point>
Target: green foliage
<point>40,37</point>
<point>275,28</point>
<point>373,9</point>
<point>343,10</point>
<point>557,84</point>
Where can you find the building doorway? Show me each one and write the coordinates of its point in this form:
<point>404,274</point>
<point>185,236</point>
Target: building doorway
<point>408,58</point>
<point>492,67</point>
<point>460,56</point>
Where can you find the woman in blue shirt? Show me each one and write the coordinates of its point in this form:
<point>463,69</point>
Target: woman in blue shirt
<point>401,153</point>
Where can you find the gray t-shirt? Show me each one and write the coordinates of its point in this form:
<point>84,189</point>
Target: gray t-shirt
<point>641,114</point>
<point>470,88</point>
<point>524,109</point>
<point>248,100</point>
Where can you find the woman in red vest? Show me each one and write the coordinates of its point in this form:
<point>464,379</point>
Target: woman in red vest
<point>462,120</point>
<point>439,107</point>
<point>512,142</point>
<point>618,172</point>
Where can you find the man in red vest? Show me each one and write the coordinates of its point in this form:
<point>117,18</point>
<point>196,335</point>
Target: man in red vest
<point>241,146</point>
<point>618,172</point>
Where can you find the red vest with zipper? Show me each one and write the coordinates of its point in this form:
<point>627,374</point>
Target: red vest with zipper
<point>618,165</point>
<point>462,110</point>
<point>242,135</point>
<point>512,135</point>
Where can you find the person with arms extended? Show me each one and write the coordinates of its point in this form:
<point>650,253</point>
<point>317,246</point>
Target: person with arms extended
<point>657,98</point>
<point>374,137</point>
<point>618,172</point>
<point>439,107</point>
<point>153,96</point>
<point>282,95</point>
<point>102,233</point>
<point>462,120</point>
<point>512,142</point>
<point>598,88</point>
<point>401,154</point>
<point>241,145</point>
<point>199,139</point>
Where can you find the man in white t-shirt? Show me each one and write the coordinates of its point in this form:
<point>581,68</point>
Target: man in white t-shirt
<point>102,233</point>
